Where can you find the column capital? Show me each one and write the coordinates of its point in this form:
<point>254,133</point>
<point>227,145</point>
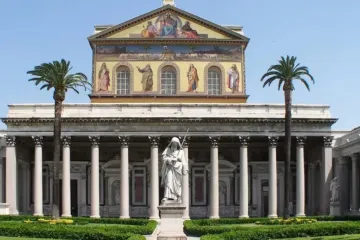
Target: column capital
<point>10,141</point>
<point>300,141</point>
<point>327,140</point>
<point>214,140</point>
<point>342,160</point>
<point>154,141</point>
<point>66,141</point>
<point>244,141</point>
<point>38,140</point>
<point>355,156</point>
<point>124,141</point>
<point>273,141</point>
<point>94,140</point>
<point>185,141</point>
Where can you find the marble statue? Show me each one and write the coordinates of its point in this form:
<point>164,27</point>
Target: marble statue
<point>173,169</point>
<point>334,188</point>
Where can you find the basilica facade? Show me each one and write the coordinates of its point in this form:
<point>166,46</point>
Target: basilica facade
<point>164,74</point>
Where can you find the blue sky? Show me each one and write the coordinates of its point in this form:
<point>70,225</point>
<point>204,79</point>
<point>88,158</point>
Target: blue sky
<point>323,34</point>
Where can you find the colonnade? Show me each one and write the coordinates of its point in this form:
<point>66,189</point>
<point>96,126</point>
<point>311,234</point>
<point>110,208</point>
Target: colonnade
<point>11,192</point>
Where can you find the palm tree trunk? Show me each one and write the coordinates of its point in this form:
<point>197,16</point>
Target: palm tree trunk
<point>287,93</point>
<point>56,160</point>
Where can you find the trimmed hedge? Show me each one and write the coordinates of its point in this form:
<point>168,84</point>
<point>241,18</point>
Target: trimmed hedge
<point>130,221</point>
<point>74,232</point>
<point>291,231</point>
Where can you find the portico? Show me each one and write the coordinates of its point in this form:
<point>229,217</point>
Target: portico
<point>236,164</point>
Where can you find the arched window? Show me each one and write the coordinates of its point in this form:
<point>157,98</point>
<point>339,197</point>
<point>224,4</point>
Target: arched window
<point>214,81</point>
<point>123,80</point>
<point>168,80</point>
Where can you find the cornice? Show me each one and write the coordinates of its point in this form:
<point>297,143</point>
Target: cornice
<point>168,120</point>
<point>176,41</point>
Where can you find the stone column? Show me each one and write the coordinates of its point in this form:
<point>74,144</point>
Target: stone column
<point>354,183</point>
<point>38,176</point>
<point>1,180</point>
<point>154,178</point>
<point>186,183</point>
<point>244,182</point>
<point>273,177</point>
<point>342,175</point>
<point>11,175</point>
<point>95,184</point>
<point>300,177</point>
<point>124,177</point>
<point>326,175</point>
<point>66,177</point>
<point>312,188</point>
<point>214,178</point>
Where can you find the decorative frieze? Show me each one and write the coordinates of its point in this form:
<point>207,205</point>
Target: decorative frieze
<point>273,141</point>
<point>94,140</point>
<point>244,141</point>
<point>300,141</point>
<point>66,141</point>
<point>154,141</point>
<point>185,142</point>
<point>124,141</point>
<point>38,140</point>
<point>214,140</point>
<point>10,141</point>
<point>327,140</point>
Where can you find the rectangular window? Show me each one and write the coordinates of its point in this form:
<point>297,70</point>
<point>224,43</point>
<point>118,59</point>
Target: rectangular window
<point>199,187</point>
<point>138,186</point>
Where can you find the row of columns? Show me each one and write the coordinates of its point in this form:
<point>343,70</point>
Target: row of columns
<point>11,193</point>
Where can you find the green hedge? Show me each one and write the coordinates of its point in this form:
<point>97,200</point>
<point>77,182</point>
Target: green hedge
<point>130,221</point>
<point>292,231</point>
<point>61,231</point>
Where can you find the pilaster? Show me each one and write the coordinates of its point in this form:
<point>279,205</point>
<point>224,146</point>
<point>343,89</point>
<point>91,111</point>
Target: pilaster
<point>326,169</point>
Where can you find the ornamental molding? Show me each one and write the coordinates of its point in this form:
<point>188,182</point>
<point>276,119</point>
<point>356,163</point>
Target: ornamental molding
<point>169,120</point>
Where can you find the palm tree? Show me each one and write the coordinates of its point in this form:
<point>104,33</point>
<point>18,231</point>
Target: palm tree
<point>286,72</point>
<point>57,76</point>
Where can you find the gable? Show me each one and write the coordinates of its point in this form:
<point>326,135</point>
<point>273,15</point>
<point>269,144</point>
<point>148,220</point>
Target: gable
<point>168,26</point>
<point>168,23</point>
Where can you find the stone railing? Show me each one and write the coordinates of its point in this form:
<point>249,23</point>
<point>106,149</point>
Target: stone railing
<point>167,110</point>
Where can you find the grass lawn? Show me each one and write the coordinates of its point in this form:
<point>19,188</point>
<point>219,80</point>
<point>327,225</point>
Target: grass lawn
<point>339,237</point>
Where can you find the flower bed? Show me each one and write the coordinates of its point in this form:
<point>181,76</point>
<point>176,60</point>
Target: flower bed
<point>290,221</point>
<point>51,221</point>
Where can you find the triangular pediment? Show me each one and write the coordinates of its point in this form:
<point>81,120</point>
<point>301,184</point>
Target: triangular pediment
<point>168,22</point>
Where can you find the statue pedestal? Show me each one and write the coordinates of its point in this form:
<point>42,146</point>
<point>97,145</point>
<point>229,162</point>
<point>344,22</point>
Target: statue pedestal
<point>335,209</point>
<point>171,224</point>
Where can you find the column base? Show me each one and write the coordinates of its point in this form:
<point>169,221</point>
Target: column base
<point>300,215</point>
<point>244,216</point>
<point>38,214</point>
<point>124,217</point>
<point>155,218</point>
<point>214,217</point>
<point>66,216</point>
<point>273,216</point>
<point>186,217</point>
<point>95,216</point>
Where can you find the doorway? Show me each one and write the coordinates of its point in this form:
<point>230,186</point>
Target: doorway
<point>73,198</point>
<point>264,198</point>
